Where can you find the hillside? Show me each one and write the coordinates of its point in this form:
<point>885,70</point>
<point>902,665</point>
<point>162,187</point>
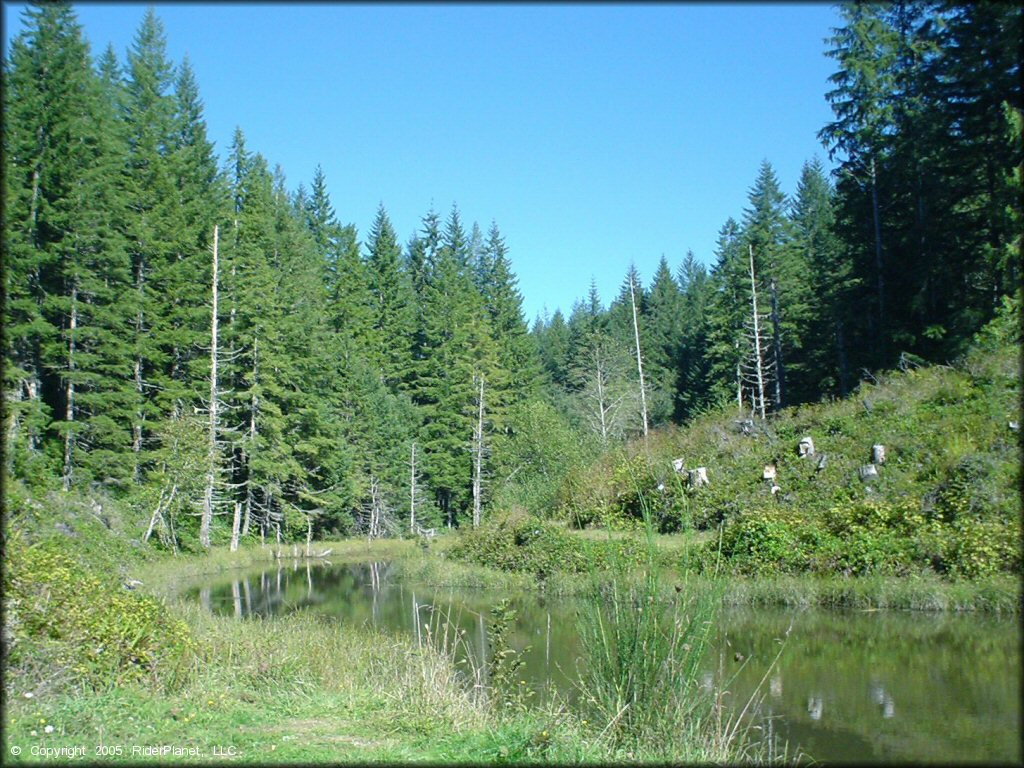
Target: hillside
<point>946,498</point>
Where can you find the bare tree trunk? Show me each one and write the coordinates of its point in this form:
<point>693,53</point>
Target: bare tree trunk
<point>412,491</point>
<point>602,411</point>
<point>773,294</point>
<point>137,374</point>
<point>158,512</point>
<point>235,525</point>
<point>376,512</point>
<point>253,433</point>
<point>211,450</point>
<point>69,405</point>
<point>758,358</point>
<point>639,361</point>
<point>478,458</point>
<point>844,372</point>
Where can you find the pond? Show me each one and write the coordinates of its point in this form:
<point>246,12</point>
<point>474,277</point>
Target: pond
<point>848,687</point>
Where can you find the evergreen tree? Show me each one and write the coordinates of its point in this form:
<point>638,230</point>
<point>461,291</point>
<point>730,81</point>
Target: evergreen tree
<point>516,353</point>
<point>394,303</point>
<point>820,256</point>
<point>346,273</point>
<point>664,334</point>
<point>457,346</point>
<point>553,345</point>
<point>864,50</point>
<point>783,286</point>
<point>151,225</point>
<point>67,338</point>
<point>727,313</point>
<point>694,358</point>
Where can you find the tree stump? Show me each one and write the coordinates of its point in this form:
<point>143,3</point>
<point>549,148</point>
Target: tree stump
<point>677,465</point>
<point>868,473</point>
<point>769,472</point>
<point>806,446</point>
<point>698,477</point>
<point>878,454</point>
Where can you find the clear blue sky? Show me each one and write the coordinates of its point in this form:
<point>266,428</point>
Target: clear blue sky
<point>593,135</point>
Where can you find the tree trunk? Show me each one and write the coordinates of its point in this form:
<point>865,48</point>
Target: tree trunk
<point>235,526</point>
<point>69,404</point>
<point>639,360</point>
<point>844,368</point>
<point>211,449</point>
<point>478,450</point>
<point>137,375</point>
<point>412,491</point>
<point>602,410</point>
<point>777,344</point>
<point>253,433</point>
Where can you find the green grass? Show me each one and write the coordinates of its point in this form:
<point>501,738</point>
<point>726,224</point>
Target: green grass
<point>293,689</point>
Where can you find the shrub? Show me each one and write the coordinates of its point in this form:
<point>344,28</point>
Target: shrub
<point>518,541</point>
<point>91,627</point>
<point>761,542</point>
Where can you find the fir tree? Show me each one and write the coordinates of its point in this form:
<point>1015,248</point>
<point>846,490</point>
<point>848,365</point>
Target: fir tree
<point>394,307</point>
<point>66,322</point>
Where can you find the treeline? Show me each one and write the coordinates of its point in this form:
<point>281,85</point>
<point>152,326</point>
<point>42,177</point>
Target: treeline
<point>908,253</point>
<point>233,360</point>
<point>203,341</point>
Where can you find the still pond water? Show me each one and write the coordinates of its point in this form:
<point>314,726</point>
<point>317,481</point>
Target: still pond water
<point>849,686</point>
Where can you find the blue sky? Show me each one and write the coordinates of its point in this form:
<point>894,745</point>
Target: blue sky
<point>594,135</point>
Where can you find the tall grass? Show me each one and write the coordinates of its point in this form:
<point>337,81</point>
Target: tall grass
<point>642,663</point>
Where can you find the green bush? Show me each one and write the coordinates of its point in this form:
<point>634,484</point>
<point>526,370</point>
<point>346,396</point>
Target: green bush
<point>92,628</point>
<point>761,542</point>
<point>520,542</point>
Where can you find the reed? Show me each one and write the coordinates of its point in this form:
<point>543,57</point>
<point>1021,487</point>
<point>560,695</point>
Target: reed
<point>643,648</point>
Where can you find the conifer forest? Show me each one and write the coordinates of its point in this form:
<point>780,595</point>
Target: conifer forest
<point>278,489</point>
<point>229,357</point>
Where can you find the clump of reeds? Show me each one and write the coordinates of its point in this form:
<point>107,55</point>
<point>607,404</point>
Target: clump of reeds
<point>640,676</point>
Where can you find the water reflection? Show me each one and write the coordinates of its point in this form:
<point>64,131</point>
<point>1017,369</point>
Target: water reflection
<point>833,691</point>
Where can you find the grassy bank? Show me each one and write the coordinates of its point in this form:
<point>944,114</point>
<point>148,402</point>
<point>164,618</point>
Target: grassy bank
<point>525,550</point>
<point>122,670</point>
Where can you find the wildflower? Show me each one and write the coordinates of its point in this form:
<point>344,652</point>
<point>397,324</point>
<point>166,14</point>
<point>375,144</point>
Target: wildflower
<point>28,694</point>
<point>48,729</point>
<point>33,732</point>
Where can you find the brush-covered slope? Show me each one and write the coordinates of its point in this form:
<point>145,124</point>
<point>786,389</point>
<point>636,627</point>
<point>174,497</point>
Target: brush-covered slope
<point>947,497</point>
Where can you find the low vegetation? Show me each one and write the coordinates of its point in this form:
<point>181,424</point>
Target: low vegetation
<point>946,499</point>
<point>99,656</point>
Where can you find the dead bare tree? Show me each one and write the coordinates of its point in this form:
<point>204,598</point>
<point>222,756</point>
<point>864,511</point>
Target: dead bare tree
<point>211,456</point>
<point>757,370</point>
<point>412,490</point>
<point>639,358</point>
<point>374,515</point>
<point>479,449</point>
<point>69,392</point>
<point>605,394</point>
